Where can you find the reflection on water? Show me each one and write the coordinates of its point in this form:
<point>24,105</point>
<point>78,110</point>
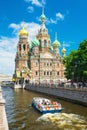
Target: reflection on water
<point>21,116</point>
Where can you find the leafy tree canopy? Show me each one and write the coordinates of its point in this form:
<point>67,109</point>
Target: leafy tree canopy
<point>76,63</point>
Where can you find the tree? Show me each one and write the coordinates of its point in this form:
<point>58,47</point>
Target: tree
<point>76,63</point>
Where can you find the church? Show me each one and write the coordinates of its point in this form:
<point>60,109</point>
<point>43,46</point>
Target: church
<point>40,61</point>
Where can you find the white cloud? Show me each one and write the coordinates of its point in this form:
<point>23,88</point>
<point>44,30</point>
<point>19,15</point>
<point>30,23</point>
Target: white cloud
<point>8,46</point>
<point>30,9</point>
<point>59,16</point>
<point>37,2</point>
<point>51,21</point>
<point>68,43</point>
<point>48,20</point>
<point>7,54</point>
<point>14,26</point>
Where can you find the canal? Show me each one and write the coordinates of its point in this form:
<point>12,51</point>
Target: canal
<point>21,115</point>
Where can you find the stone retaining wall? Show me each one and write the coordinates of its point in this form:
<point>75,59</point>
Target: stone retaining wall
<point>3,118</point>
<point>73,95</point>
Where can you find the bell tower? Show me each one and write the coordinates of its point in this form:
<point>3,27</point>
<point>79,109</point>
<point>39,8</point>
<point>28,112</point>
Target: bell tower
<point>21,59</point>
<point>43,36</point>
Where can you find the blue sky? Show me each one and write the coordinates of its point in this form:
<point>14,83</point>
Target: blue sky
<point>66,17</point>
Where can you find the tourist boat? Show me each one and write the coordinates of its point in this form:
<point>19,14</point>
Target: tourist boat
<point>44,105</point>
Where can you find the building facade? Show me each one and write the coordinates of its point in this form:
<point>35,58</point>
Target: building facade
<point>39,61</point>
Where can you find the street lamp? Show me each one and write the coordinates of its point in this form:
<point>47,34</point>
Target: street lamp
<point>72,77</point>
<point>77,66</point>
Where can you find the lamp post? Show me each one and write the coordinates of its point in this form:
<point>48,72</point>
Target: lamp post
<point>72,77</point>
<point>77,66</point>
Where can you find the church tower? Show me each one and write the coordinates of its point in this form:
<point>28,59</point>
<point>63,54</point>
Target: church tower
<point>43,36</point>
<point>21,59</point>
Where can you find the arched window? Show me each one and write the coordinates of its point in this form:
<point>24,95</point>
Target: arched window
<point>19,47</point>
<point>47,64</point>
<point>44,72</point>
<point>36,73</point>
<point>50,72</point>
<point>36,63</point>
<point>40,43</point>
<point>47,72</point>
<point>45,43</point>
<point>24,47</point>
<point>58,73</point>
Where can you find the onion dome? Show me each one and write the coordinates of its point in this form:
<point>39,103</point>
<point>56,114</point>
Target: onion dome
<point>35,42</point>
<point>56,43</point>
<point>43,17</point>
<point>23,31</point>
<point>63,50</point>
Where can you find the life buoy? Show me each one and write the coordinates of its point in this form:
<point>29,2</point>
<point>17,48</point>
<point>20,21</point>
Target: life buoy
<point>47,108</point>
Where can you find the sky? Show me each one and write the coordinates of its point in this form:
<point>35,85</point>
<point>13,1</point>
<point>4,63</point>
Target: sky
<point>66,17</point>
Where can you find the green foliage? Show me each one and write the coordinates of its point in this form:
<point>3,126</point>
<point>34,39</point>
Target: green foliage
<point>76,63</point>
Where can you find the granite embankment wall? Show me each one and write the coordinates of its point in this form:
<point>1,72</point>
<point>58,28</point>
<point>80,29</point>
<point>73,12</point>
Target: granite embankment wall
<point>70,94</point>
<point>3,118</point>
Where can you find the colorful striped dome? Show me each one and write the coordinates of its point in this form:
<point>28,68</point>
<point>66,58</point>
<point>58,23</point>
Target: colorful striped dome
<point>34,43</point>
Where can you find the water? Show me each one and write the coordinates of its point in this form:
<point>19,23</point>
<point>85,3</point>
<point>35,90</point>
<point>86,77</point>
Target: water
<point>21,115</point>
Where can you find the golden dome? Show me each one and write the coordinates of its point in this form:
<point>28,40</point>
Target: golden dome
<point>63,50</point>
<point>23,31</point>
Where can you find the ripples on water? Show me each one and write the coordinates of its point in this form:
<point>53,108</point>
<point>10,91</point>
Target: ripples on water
<point>64,121</point>
<point>21,116</point>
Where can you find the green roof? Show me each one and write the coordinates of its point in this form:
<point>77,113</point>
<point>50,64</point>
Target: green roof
<point>43,16</point>
<point>56,44</point>
<point>35,42</point>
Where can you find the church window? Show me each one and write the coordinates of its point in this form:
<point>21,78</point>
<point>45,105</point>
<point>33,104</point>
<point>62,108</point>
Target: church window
<point>50,72</point>
<point>50,64</point>
<point>45,43</point>
<point>44,72</point>
<point>40,43</point>
<point>47,72</point>
<point>27,46</point>
<point>47,64</point>
<point>36,64</point>
<point>58,73</point>
<point>24,47</point>
<point>19,47</point>
<point>36,73</point>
